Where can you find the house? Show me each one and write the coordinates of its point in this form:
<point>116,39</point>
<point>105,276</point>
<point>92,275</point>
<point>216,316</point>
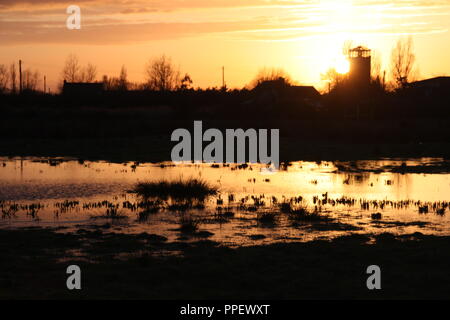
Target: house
<point>82,89</point>
<point>438,86</point>
<point>280,92</point>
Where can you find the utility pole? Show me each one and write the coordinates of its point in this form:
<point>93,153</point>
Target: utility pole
<point>223,77</point>
<point>20,76</point>
<point>45,84</point>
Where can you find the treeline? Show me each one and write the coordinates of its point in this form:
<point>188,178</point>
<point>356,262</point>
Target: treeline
<point>251,104</point>
<point>10,79</point>
<point>161,74</point>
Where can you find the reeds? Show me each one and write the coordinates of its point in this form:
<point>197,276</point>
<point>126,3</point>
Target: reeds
<point>302,213</point>
<point>305,215</point>
<point>268,219</point>
<point>188,224</point>
<point>180,189</point>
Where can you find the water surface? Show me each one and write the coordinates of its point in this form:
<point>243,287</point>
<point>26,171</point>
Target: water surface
<point>76,194</point>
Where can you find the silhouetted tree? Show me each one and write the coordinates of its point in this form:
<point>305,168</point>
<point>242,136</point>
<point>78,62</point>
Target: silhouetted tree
<point>123,82</point>
<point>74,72</point>
<point>333,77</point>
<point>186,82</point>
<point>30,80</point>
<point>110,83</point>
<point>346,47</point>
<point>402,61</point>
<point>270,74</point>
<point>162,75</point>
<point>88,74</point>
<point>117,84</point>
<point>378,76</point>
<point>3,78</point>
<point>13,77</point>
<point>72,69</point>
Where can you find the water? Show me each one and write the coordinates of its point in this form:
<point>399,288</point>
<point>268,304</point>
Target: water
<point>67,193</point>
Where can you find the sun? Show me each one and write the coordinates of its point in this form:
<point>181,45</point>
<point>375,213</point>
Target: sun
<point>342,65</point>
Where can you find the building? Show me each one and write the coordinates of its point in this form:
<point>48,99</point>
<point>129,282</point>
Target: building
<point>82,89</point>
<point>360,66</point>
<point>280,92</point>
<point>431,87</point>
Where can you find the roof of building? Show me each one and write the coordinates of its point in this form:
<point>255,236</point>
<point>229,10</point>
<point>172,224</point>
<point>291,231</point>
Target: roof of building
<point>82,88</point>
<point>282,87</point>
<point>432,82</point>
<point>83,84</point>
<point>304,91</point>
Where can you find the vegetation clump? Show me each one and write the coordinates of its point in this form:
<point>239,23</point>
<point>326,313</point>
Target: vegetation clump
<point>302,213</point>
<point>188,224</point>
<point>180,189</point>
<point>267,218</point>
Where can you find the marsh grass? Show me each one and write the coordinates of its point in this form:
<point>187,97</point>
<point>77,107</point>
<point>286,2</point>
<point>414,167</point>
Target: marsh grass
<point>188,224</point>
<point>267,219</point>
<point>179,189</point>
<point>301,213</point>
<point>8,210</point>
<point>143,216</point>
<point>112,212</point>
<point>33,210</point>
<point>304,215</point>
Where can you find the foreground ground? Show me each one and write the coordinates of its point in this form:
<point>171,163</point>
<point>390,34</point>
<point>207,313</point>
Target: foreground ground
<point>158,148</point>
<point>33,265</point>
<point>143,134</point>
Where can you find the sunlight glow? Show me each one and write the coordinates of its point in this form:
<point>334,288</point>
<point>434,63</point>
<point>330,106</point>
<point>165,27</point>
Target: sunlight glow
<point>342,65</point>
<point>305,38</point>
<point>338,14</point>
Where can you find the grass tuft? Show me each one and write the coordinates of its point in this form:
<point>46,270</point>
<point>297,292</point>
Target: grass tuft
<point>188,224</point>
<point>180,189</point>
<point>302,214</point>
<point>267,218</point>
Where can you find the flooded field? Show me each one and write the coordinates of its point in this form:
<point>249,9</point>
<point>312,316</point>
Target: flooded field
<point>301,202</point>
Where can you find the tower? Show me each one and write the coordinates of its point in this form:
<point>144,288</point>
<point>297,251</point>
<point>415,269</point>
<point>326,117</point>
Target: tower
<point>360,63</point>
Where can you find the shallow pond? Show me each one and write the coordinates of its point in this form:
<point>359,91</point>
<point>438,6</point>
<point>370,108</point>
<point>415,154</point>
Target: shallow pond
<point>392,195</point>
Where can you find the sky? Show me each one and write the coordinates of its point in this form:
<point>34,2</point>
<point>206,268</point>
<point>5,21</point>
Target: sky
<point>303,37</point>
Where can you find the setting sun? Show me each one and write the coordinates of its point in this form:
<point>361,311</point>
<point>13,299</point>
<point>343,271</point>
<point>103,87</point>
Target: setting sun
<point>342,65</point>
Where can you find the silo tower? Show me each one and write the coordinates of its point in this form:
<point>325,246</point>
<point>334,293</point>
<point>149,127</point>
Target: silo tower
<point>360,60</point>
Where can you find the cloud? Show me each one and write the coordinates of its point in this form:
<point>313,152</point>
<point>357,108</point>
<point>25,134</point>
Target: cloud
<point>126,21</point>
<point>113,33</point>
<point>160,5</point>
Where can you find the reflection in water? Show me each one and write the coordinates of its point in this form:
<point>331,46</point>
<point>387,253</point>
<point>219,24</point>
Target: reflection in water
<point>361,196</point>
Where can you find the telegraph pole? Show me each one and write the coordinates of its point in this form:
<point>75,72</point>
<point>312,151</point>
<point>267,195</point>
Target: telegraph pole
<point>20,76</point>
<point>223,77</point>
<point>45,84</point>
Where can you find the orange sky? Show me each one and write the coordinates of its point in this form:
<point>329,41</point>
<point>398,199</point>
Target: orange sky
<point>303,37</point>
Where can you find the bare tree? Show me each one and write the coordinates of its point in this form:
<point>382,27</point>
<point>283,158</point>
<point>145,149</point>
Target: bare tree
<point>186,82</point>
<point>402,61</point>
<point>378,76</point>
<point>162,75</point>
<point>375,68</point>
<point>3,78</point>
<point>89,73</point>
<point>333,78</point>
<point>117,84</point>
<point>72,69</point>
<point>346,47</point>
<point>30,79</point>
<point>270,74</point>
<point>123,82</point>
<point>13,77</point>
<point>74,72</point>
